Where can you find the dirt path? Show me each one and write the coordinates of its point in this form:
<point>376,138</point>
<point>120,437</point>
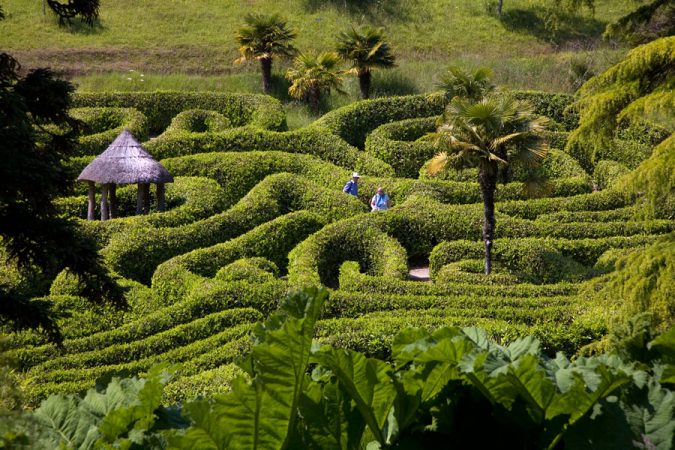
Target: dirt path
<point>419,273</point>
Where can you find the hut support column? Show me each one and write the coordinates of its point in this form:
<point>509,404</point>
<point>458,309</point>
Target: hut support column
<point>105,215</point>
<point>161,197</point>
<point>91,204</point>
<point>113,201</point>
<point>146,198</point>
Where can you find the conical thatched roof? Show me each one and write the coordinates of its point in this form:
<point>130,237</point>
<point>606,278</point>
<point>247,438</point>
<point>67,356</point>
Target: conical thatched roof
<point>125,162</point>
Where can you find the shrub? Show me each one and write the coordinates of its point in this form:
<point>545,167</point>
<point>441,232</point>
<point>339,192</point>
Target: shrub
<point>135,254</point>
<point>551,105</point>
<point>307,140</point>
<point>396,144</point>
<point>253,270</point>
<point>202,385</point>
<point>199,121</point>
<point>607,172</point>
<point>160,107</point>
<point>105,124</point>
<point>353,122</point>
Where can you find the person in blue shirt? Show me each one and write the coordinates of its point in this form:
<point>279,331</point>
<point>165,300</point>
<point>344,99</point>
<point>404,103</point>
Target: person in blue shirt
<point>380,201</point>
<point>352,186</point>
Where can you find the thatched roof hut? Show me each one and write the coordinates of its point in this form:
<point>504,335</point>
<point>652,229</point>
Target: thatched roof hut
<point>124,162</point>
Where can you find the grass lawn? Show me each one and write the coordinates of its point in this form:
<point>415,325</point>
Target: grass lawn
<point>189,45</point>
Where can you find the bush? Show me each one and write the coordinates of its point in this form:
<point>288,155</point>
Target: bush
<point>199,121</point>
<point>535,255</point>
<point>307,140</point>
<point>551,105</point>
<point>135,254</point>
<point>607,172</point>
<point>160,107</point>
<point>105,124</point>
<point>353,122</point>
<point>253,270</point>
<point>396,144</point>
<point>202,385</point>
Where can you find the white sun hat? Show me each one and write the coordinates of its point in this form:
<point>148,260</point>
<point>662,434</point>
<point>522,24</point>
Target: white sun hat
<point>356,175</point>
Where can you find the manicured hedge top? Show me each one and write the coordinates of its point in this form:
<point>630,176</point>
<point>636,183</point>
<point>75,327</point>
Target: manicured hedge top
<point>161,106</point>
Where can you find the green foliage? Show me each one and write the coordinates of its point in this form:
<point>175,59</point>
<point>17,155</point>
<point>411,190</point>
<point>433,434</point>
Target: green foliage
<point>622,95</point>
<point>364,49</point>
<point>646,23</point>
<point>607,172</point>
<point>160,107</point>
<point>199,121</point>
<point>459,83</point>
<point>313,74</point>
<point>88,10</point>
<point>641,283</point>
<point>103,125</point>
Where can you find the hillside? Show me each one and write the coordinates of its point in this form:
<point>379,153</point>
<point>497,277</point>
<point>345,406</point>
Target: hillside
<point>193,41</point>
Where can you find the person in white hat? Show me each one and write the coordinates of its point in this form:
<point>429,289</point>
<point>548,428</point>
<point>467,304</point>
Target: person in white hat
<point>352,186</point>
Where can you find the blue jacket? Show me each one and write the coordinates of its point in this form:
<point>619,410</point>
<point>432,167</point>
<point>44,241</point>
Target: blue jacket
<point>351,188</point>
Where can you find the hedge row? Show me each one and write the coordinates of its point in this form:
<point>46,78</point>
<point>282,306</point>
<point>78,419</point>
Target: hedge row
<point>160,107</point>
<point>137,253</point>
<point>612,215</point>
<point>352,280</point>
<point>397,144</point>
<point>240,295</point>
<point>606,173</point>
<point>105,124</point>
<point>252,270</point>
<point>191,358</point>
<point>272,240</point>
<point>199,121</point>
<point>552,105</point>
<point>317,260</point>
<point>373,333</point>
<point>519,252</point>
<point>421,223</point>
<point>311,141</point>
<point>205,384</point>
<point>355,121</point>
<point>533,208</point>
<point>178,336</point>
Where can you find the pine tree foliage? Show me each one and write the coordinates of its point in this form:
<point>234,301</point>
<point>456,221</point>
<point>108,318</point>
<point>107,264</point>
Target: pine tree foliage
<point>640,88</point>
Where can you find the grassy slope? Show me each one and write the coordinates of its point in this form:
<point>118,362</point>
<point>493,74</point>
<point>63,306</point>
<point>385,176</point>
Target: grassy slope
<point>185,44</point>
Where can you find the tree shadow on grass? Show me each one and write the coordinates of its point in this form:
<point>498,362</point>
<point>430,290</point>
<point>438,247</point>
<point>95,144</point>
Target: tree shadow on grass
<point>569,27</point>
<point>80,27</point>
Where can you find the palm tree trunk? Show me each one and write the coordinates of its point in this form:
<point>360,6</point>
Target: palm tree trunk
<point>266,67</point>
<point>365,78</point>
<point>314,100</point>
<point>487,177</point>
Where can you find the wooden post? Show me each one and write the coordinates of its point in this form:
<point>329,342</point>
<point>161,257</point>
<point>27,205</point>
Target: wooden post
<point>161,197</point>
<point>113,201</point>
<point>139,200</point>
<point>91,204</point>
<point>146,198</point>
<point>105,215</point>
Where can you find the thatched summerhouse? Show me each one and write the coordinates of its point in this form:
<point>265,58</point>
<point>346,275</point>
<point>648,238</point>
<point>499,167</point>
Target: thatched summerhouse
<point>124,162</point>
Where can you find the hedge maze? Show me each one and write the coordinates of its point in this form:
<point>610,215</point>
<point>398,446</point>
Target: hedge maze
<point>257,211</point>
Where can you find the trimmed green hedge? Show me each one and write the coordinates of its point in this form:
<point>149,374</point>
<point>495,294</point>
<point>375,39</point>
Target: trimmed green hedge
<point>105,124</point>
<point>352,280</point>
<point>272,240</point>
<point>606,172</point>
<point>355,121</point>
<point>160,107</point>
<point>199,121</point>
<point>396,144</point>
<point>551,105</point>
<point>311,141</point>
<point>135,254</point>
<point>516,253</point>
<point>252,270</point>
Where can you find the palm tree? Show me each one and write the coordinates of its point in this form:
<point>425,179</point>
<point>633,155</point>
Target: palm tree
<point>365,49</point>
<point>459,83</point>
<point>487,134</point>
<point>262,38</point>
<point>313,74</point>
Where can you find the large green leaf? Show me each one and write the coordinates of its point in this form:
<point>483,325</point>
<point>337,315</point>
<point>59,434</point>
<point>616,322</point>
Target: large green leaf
<point>263,413</point>
<point>367,381</point>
